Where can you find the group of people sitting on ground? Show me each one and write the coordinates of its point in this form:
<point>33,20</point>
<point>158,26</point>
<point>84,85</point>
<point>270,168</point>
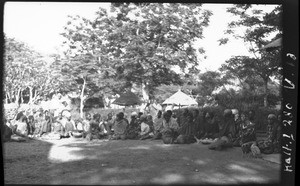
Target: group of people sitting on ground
<point>185,127</point>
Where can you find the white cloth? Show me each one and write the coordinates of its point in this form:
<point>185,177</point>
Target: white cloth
<point>145,128</point>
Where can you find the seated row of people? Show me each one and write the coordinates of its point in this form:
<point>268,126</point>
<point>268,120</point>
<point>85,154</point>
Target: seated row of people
<point>231,129</point>
<point>220,132</point>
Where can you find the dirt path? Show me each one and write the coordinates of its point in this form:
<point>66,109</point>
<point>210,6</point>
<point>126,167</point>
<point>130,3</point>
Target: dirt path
<point>71,161</point>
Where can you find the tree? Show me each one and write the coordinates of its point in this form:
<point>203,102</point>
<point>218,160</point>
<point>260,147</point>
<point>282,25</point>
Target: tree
<point>25,69</point>
<point>81,72</point>
<point>258,27</point>
<point>140,43</point>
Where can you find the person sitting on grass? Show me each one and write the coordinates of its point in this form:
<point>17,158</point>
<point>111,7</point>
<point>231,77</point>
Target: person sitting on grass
<point>108,123</point>
<point>187,130</point>
<point>94,129</point>
<point>119,127</point>
<point>132,130</point>
<point>86,123</point>
<point>236,141</point>
<point>39,119</point>
<point>46,125</point>
<point>68,125</point>
<point>57,129</point>
<point>198,122</point>
<point>211,128</point>
<point>248,134</point>
<point>158,125</point>
<point>146,128</point>
<point>272,143</point>
<point>226,130</point>
<point>31,125</point>
<point>6,132</point>
<point>170,128</point>
<point>22,127</point>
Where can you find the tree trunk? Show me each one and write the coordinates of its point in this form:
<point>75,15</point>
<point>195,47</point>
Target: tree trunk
<point>17,96</point>
<point>34,97</point>
<point>82,98</point>
<point>9,97</point>
<point>145,92</point>
<point>266,93</point>
<point>6,98</point>
<point>30,95</point>
<point>22,99</point>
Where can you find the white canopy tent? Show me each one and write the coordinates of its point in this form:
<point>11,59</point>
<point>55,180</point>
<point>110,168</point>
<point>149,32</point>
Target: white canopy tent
<point>180,99</point>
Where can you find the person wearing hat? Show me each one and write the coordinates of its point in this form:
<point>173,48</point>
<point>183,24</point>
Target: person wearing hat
<point>132,130</point>
<point>226,131</point>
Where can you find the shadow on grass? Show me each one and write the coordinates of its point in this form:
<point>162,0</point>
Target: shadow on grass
<point>24,162</point>
<point>138,162</point>
<point>151,162</point>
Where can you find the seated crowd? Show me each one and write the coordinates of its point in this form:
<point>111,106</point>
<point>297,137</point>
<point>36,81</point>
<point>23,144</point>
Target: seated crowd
<point>172,127</point>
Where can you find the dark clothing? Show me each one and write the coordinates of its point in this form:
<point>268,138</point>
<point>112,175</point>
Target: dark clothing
<point>94,127</point>
<point>274,132</point>
<point>187,128</point>
<point>226,131</point>
<point>211,128</point>
<point>237,136</point>
<point>6,133</point>
<point>248,132</point>
<point>227,128</point>
<point>132,130</point>
<point>169,136</point>
<point>199,126</point>
<point>272,144</point>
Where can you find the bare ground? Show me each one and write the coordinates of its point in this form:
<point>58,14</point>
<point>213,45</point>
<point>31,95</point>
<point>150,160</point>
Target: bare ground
<point>129,162</point>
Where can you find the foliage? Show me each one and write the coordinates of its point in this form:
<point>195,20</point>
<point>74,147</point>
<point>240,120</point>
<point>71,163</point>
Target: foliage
<point>25,69</point>
<point>139,43</point>
<point>244,100</point>
<point>258,27</point>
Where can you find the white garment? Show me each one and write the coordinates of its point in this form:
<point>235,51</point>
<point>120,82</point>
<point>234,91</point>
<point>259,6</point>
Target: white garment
<point>145,128</point>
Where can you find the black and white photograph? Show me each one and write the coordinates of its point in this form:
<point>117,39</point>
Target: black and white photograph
<point>148,93</point>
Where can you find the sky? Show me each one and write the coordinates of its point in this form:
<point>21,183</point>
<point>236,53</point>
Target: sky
<point>39,24</point>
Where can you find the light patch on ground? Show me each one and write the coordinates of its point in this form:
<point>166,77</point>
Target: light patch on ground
<point>241,169</point>
<point>200,162</point>
<point>64,154</point>
<point>169,179</point>
<point>140,147</point>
